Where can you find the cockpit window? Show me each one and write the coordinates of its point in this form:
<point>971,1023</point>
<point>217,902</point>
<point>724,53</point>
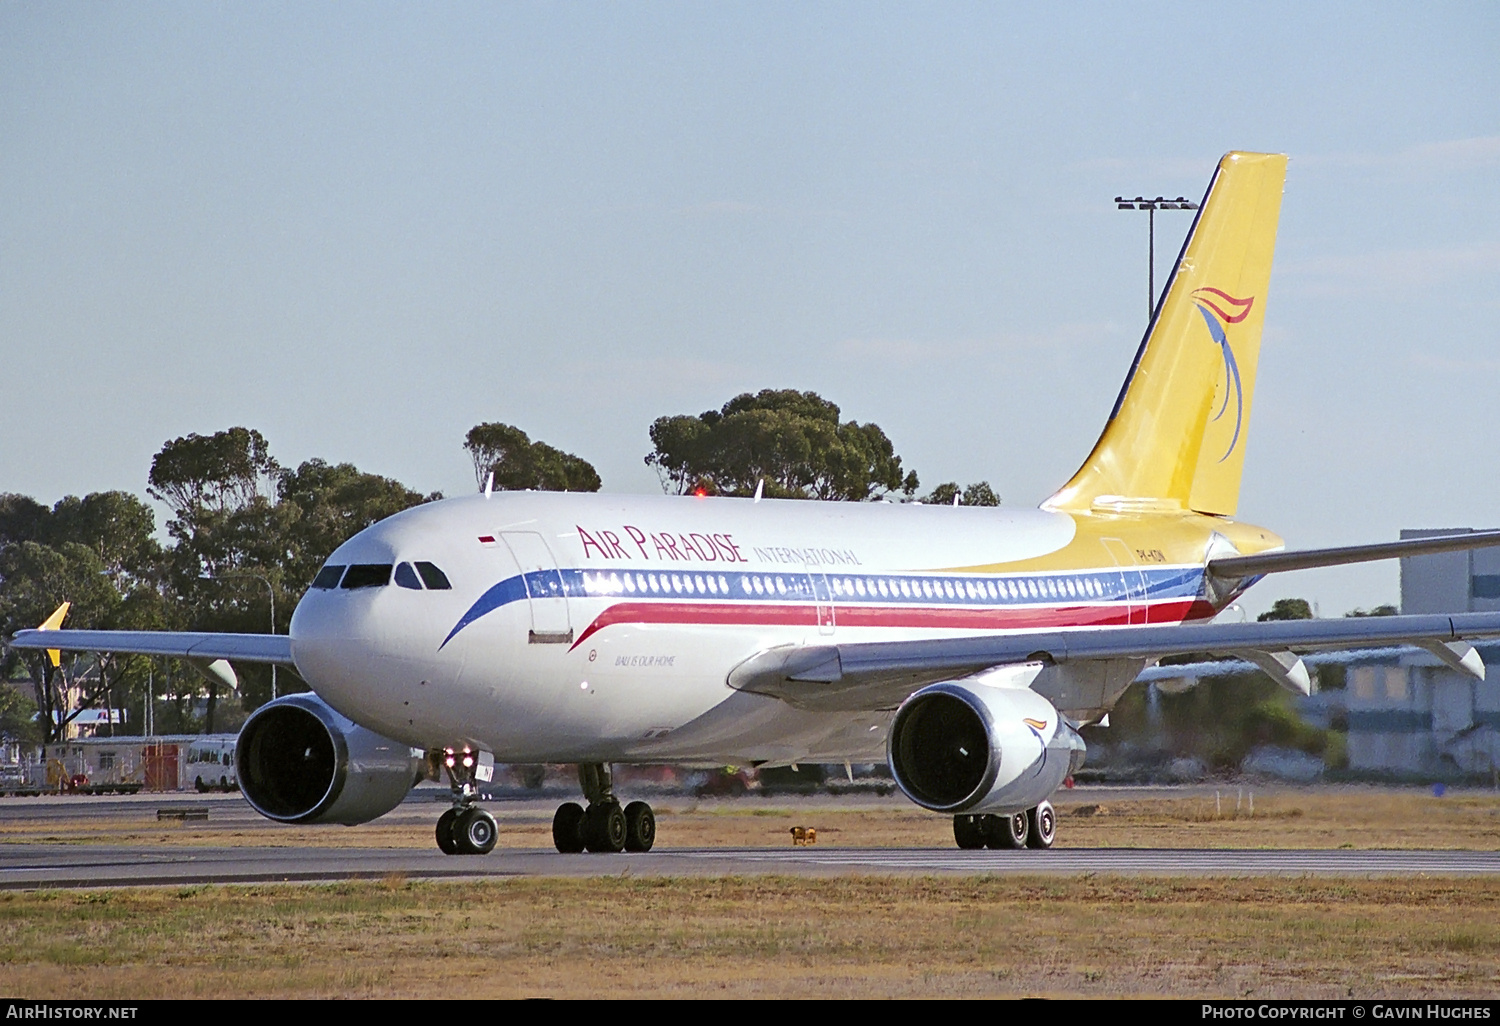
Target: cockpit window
<point>368,575</point>
<point>406,577</point>
<point>434,578</point>
<point>328,577</point>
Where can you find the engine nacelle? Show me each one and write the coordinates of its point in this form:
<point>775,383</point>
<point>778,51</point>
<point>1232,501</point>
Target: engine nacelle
<point>299,761</point>
<point>984,744</point>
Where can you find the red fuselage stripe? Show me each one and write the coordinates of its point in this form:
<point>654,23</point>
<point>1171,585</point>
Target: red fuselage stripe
<point>777,615</point>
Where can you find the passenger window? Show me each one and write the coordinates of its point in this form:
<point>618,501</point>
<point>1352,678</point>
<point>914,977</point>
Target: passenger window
<point>434,578</point>
<point>328,577</point>
<point>406,577</point>
<point>368,575</point>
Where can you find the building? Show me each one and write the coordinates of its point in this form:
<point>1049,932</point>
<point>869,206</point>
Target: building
<point>172,762</point>
<point>1408,714</point>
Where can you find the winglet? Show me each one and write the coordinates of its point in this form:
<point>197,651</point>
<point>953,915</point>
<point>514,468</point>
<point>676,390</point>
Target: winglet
<point>52,623</point>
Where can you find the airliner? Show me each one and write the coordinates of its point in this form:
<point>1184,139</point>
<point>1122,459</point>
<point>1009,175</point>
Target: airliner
<point>964,647</point>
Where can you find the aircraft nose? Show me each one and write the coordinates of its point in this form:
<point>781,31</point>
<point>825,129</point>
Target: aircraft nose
<point>325,636</point>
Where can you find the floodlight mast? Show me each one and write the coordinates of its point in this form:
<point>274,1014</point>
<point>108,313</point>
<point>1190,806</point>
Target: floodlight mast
<point>1151,206</point>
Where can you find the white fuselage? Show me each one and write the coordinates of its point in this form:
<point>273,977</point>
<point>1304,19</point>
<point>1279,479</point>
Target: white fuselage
<point>587,628</point>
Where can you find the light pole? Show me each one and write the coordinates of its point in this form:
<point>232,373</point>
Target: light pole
<point>1151,206</point>
<point>263,579</point>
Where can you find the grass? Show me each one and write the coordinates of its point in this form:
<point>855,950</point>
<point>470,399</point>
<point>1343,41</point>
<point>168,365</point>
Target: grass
<point>761,937</point>
<point>1322,817</point>
<point>1093,936</point>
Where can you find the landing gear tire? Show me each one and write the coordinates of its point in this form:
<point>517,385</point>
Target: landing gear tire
<point>445,839</point>
<point>567,828</point>
<point>604,828</point>
<point>1007,831</point>
<point>969,832</point>
<point>200,786</point>
<point>640,827</point>
<point>475,832</point>
<point>1041,826</point>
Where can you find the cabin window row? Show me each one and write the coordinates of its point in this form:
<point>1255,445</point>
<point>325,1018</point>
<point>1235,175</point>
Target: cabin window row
<point>415,576</point>
<point>1080,588</point>
<point>1019,590</point>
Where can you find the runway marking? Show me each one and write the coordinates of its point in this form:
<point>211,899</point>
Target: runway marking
<point>66,866</point>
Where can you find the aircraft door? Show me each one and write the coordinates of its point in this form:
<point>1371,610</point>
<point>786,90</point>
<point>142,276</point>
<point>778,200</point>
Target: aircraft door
<point>1132,579</point>
<point>550,622</point>
<point>823,595</point>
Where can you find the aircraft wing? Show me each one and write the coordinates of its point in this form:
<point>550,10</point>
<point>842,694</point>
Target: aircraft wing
<point>880,675</point>
<point>250,648</point>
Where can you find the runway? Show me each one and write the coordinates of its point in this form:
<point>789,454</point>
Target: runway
<point>69,866</point>
<point>112,841</point>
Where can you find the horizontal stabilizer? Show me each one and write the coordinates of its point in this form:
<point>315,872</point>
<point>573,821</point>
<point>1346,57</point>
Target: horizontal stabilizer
<point>249,648</point>
<point>1237,567</point>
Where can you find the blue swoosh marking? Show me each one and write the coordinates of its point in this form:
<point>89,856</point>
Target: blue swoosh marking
<point>1231,379</point>
<point>512,589</point>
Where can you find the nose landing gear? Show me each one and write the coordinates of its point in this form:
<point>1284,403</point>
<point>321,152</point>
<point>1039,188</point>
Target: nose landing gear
<point>465,829</point>
<point>604,826</point>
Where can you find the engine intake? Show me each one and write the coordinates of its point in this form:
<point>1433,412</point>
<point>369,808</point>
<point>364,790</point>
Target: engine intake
<point>299,761</point>
<point>969,746</point>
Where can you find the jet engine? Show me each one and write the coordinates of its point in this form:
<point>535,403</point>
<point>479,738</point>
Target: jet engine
<point>983,744</point>
<point>299,761</point>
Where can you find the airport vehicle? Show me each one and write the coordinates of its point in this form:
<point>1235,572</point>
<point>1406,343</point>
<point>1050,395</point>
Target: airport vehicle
<point>210,763</point>
<point>964,646</point>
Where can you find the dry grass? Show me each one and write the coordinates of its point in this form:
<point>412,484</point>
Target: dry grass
<point>1344,817</point>
<point>772,937</point>
<point>764,937</point>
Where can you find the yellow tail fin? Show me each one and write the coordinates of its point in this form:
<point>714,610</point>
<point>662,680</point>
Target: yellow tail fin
<point>1177,433</point>
<point>52,623</point>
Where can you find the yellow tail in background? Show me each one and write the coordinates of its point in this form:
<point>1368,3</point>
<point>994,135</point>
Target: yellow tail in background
<point>1176,437</point>
<point>52,623</point>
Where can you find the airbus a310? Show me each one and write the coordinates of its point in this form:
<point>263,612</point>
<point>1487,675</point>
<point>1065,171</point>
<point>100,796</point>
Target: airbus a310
<point>963,646</point>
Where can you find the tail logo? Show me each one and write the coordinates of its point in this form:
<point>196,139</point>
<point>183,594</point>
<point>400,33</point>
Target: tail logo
<point>1219,308</point>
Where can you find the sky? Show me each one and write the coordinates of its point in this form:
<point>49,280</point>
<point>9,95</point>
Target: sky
<point>363,229</point>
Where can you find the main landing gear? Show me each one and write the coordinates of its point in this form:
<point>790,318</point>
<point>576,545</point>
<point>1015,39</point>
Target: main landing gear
<point>465,829</point>
<point>604,825</point>
<point>1034,828</point>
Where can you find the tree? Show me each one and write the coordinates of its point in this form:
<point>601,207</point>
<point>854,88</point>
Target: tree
<point>36,580</point>
<point>518,463</point>
<point>790,444</point>
<point>219,472</point>
<point>116,525</point>
<point>245,531</point>
<point>98,554</point>
<point>22,518</point>
<point>332,503</point>
<point>1381,610</point>
<point>1287,609</point>
<point>977,494</point>
<point>225,519</point>
<point>18,721</point>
